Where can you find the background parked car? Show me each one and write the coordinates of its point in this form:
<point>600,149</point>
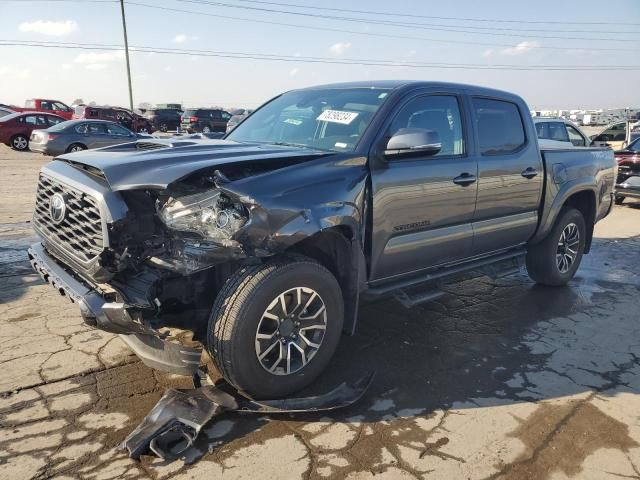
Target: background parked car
<point>559,133</point>
<point>616,136</point>
<point>16,128</point>
<point>163,119</point>
<point>76,135</point>
<point>236,117</point>
<point>47,106</point>
<point>205,120</point>
<point>126,118</point>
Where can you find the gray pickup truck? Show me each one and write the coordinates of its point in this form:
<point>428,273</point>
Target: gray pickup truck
<point>262,244</point>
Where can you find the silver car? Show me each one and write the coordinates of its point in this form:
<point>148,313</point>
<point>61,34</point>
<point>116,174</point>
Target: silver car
<point>76,135</point>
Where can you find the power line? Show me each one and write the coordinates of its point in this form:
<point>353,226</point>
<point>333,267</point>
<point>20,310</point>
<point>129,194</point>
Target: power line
<point>419,26</point>
<point>322,60</point>
<point>436,17</point>
<point>371,34</point>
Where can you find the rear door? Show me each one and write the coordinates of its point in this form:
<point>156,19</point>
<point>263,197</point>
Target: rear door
<point>97,135</point>
<point>510,175</point>
<point>423,205</point>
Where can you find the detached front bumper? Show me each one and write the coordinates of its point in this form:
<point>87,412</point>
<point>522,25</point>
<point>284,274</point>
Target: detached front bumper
<point>114,317</point>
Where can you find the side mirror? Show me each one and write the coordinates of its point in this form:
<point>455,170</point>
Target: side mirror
<point>409,142</point>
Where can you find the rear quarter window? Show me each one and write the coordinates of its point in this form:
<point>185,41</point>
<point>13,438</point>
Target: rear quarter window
<point>499,125</point>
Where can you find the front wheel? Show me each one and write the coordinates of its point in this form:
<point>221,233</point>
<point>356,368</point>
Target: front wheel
<point>554,261</point>
<point>20,143</point>
<point>619,199</point>
<point>275,326</point>
<point>164,127</point>
<point>206,129</point>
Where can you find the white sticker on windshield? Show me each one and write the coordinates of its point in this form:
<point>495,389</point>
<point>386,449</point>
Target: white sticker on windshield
<point>340,145</point>
<point>337,116</point>
<point>293,121</point>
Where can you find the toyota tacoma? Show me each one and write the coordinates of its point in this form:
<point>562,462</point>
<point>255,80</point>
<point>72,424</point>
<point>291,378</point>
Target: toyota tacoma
<point>261,245</point>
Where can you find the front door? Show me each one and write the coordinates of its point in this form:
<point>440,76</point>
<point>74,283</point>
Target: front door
<point>423,205</point>
<point>510,176</point>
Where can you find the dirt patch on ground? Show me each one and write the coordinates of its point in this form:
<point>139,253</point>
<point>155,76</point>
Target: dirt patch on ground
<point>560,436</point>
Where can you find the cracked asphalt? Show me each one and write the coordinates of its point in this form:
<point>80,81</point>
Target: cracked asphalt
<point>499,379</point>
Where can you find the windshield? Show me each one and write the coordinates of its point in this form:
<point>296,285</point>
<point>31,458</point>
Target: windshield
<point>331,119</point>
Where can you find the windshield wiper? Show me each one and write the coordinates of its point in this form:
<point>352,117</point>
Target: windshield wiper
<point>300,145</point>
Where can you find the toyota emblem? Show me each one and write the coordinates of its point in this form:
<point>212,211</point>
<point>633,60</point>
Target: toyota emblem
<point>57,208</point>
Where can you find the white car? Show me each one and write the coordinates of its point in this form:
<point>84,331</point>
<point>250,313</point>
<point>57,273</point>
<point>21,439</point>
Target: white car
<point>559,133</point>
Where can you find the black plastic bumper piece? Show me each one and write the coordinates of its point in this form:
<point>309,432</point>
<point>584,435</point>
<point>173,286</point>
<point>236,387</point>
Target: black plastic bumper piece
<point>113,317</point>
<point>173,424</point>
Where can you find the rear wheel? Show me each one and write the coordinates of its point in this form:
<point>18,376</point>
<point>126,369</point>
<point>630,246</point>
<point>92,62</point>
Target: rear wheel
<point>164,127</point>
<point>619,199</point>
<point>75,147</point>
<point>206,129</point>
<point>20,143</point>
<point>274,327</point>
<point>554,261</point>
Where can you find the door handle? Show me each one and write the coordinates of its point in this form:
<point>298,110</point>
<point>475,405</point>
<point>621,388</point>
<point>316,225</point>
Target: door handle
<point>530,172</point>
<point>464,179</point>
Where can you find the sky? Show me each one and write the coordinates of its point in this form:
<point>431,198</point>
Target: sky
<point>505,32</point>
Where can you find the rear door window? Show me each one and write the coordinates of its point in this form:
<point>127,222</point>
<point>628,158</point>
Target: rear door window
<point>499,125</point>
<point>82,128</point>
<point>30,120</point>
<point>115,129</point>
<point>575,138</point>
<point>97,129</point>
<point>552,131</point>
<point>60,107</point>
<point>54,120</point>
<point>41,121</point>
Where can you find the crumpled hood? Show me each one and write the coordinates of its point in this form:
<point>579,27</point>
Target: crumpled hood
<point>156,164</point>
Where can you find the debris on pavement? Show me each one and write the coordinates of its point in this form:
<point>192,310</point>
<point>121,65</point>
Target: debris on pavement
<point>173,424</point>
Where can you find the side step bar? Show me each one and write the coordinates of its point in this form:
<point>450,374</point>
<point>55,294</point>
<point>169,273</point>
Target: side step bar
<point>499,265</point>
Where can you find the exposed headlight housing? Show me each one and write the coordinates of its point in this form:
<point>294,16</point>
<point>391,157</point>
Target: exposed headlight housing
<point>210,214</point>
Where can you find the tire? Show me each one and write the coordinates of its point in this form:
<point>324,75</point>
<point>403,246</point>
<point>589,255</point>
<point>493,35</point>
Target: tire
<point>20,143</point>
<point>75,147</point>
<point>206,129</point>
<point>543,262</point>
<point>239,316</point>
<point>164,128</point>
<point>143,129</point>
<point>619,200</point>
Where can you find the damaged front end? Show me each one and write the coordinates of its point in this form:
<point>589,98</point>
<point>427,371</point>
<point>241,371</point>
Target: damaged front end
<point>159,250</point>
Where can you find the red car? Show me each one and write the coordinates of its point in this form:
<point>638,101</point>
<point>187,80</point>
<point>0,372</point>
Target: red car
<point>54,107</point>
<point>15,129</point>
<point>132,121</point>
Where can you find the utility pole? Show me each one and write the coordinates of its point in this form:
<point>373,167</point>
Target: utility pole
<point>126,53</point>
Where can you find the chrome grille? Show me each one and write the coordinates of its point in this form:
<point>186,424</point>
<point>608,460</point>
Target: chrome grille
<point>80,232</point>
